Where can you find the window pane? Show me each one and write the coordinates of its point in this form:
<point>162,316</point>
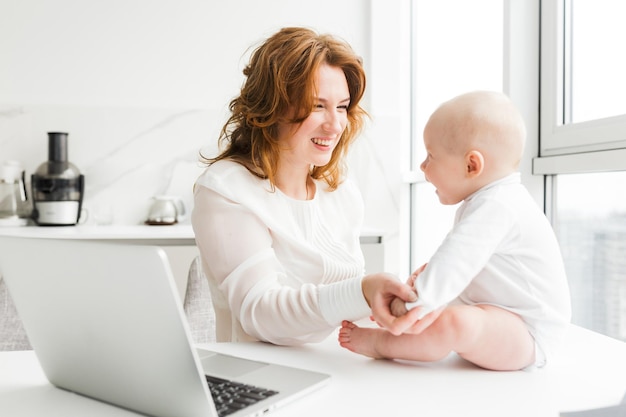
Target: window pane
<point>457,48</point>
<point>591,227</point>
<point>598,63</point>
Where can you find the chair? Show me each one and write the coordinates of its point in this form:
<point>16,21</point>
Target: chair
<point>12,333</point>
<point>198,305</point>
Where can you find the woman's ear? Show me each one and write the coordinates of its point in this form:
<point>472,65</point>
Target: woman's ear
<point>475,163</point>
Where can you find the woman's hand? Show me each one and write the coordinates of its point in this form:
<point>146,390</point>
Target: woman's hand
<point>398,306</point>
<point>380,290</point>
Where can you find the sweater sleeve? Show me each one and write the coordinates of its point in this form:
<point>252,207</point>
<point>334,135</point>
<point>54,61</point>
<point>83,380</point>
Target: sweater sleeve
<point>270,305</point>
<point>343,300</point>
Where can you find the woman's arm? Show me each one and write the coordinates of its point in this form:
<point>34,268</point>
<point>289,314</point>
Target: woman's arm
<point>237,248</point>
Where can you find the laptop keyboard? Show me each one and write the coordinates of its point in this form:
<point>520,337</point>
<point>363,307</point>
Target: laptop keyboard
<point>230,396</point>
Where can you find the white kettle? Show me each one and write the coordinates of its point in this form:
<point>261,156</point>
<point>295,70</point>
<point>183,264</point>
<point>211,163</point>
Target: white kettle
<point>166,210</point>
<point>14,210</point>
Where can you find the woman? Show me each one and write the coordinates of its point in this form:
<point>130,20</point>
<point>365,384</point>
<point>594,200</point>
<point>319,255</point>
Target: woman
<point>276,221</point>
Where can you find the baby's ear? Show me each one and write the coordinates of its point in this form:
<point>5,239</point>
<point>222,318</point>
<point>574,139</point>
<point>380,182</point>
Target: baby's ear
<point>475,163</point>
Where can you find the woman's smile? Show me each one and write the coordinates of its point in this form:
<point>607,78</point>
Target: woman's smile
<point>325,142</point>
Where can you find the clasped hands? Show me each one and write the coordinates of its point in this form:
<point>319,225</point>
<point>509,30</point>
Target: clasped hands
<point>386,296</point>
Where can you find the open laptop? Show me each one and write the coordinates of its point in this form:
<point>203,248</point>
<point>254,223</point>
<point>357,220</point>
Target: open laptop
<point>105,321</point>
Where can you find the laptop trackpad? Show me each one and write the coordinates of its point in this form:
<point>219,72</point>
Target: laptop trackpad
<point>228,366</point>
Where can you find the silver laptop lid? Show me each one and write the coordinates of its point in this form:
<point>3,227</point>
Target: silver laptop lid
<point>105,322</point>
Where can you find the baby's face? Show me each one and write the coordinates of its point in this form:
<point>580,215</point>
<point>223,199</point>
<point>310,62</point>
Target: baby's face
<point>444,169</point>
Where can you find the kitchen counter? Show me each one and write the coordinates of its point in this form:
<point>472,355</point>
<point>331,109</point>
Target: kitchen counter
<point>178,241</point>
<point>171,235</point>
<point>174,235</point>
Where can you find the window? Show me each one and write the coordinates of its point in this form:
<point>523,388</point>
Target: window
<point>583,153</point>
<point>582,82</point>
<point>591,228</point>
<point>596,71</point>
<point>452,54</point>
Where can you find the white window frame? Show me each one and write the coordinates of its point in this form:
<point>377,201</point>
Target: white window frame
<point>565,148</point>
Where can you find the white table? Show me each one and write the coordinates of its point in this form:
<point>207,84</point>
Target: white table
<point>589,373</point>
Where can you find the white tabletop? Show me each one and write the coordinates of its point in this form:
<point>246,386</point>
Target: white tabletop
<point>589,373</point>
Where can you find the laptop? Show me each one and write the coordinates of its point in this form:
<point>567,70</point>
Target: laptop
<point>106,322</point>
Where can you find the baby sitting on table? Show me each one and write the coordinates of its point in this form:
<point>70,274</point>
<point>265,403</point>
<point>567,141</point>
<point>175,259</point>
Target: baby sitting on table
<point>495,291</point>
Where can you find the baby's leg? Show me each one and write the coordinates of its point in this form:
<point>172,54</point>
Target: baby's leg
<point>493,338</point>
<point>379,343</point>
<point>487,336</point>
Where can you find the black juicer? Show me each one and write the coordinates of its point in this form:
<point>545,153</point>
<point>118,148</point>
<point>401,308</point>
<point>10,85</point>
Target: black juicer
<point>57,186</point>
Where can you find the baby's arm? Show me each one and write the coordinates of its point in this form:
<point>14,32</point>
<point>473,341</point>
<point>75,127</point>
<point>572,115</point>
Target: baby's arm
<point>426,320</point>
<point>398,306</point>
<point>411,281</point>
<point>422,320</point>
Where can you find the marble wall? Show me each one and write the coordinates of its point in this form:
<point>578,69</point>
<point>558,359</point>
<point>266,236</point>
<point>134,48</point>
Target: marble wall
<point>142,87</point>
<point>128,155</point>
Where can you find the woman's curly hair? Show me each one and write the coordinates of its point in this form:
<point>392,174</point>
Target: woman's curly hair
<point>280,88</point>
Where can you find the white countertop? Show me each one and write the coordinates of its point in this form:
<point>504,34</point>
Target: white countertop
<point>179,234</point>
<point>169,234</point>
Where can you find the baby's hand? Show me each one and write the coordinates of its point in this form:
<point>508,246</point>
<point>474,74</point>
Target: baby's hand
<point>411,280</point>
<point>420,325</point>
<point>398,307</point>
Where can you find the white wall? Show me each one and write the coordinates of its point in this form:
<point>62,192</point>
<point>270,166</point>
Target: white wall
<point>142,85</point>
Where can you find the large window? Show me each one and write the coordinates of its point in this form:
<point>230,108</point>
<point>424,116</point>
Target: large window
<point>582,82</point>
<point>591,227</point>
<point>597,70</point>
<point>583,153</point>
<point>452,54</point>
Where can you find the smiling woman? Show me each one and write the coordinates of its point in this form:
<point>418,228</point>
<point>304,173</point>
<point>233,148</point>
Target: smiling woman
<point>287,78</point>
<point>276,220</point>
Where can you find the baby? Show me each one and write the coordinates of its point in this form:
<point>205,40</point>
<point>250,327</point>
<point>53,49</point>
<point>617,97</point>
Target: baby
<point>495,291</point>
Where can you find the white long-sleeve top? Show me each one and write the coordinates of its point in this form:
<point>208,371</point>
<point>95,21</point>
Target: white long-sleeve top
<point>280,270</point>
<point>501,251</point>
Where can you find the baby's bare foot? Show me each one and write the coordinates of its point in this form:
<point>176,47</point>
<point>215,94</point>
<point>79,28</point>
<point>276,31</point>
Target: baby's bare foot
<point>359,340</point>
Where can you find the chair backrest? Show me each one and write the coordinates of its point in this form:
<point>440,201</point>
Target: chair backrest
<point>198,305</point>
<point>12,333</point>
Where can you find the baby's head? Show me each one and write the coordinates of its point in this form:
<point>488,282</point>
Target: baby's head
<point>480,135</point>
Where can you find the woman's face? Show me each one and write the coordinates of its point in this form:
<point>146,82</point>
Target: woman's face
<point>313,141</point>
